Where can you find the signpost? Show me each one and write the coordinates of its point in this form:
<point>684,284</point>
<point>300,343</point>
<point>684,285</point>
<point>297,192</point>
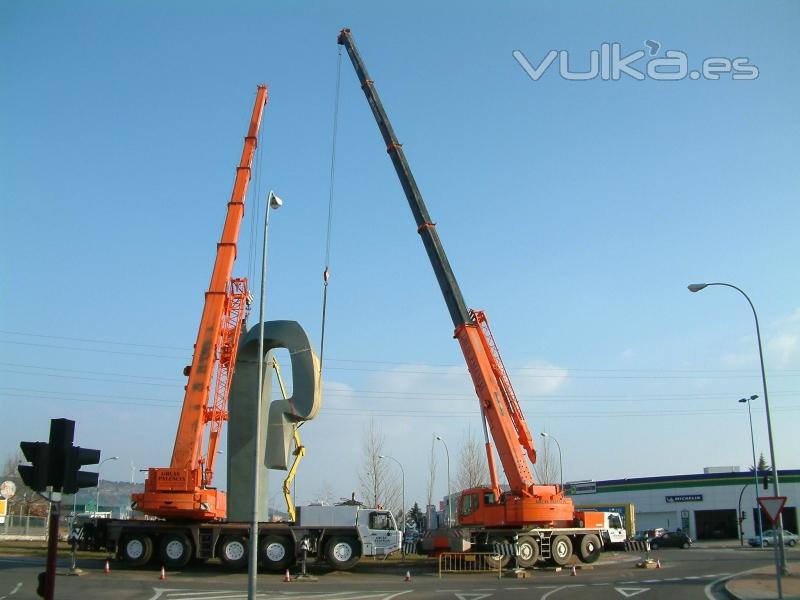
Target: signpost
<point>773,506</point>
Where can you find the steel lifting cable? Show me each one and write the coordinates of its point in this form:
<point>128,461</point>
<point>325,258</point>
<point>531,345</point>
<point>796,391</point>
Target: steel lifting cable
<point>327,273</point>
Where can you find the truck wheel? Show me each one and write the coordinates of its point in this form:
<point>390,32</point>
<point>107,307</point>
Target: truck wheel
<point>276,552</point>
<point>527,551</point>
<point>136,549</point>
<point>176,550</point>
<point>589,550</point>
<point>233,551</point>
<point>497,560</point>
<point>561,550</point>
<point>342,552</point>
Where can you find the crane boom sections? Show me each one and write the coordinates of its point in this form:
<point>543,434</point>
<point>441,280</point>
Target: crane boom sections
<point>183,490</point>
<point>499,405</point>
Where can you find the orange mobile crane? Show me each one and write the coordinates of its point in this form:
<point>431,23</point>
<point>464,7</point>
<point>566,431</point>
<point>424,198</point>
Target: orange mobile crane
<point>536,514</point>
<point>184,489</point>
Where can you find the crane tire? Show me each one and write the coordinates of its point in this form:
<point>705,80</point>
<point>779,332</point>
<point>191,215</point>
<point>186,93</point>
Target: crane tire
<point>342,552</point>
<point>136,549</point>
<point>527,551</point>
<point>175,550</point>
<point>561,550</point>
<point>276,552</point>
<point>233,551</point>
<point>589,548</point>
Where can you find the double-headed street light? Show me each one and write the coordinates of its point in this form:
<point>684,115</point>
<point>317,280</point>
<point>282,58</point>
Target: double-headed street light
<point>403,502</point>
<point>273,203</point>
<point>97,498</point>
<point>696,287</point>
<point>447,452</point>
<point>560,462</point>
<point>755,464</point>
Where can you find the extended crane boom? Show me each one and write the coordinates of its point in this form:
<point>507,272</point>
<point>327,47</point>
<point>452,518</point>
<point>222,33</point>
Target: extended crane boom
<point>184,489</point>
<point>529,503</point>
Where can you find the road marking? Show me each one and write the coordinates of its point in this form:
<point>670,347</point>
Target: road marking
<point>709,587</point>
<point>184,594</point>
<point>628,592</point>
<point>558,589</point>
<point>12,592</point>
<point>472,596</point>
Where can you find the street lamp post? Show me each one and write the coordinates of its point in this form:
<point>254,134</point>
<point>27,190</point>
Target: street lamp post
<point>781,566</point>
<point>274,203</point>
<point>97,498</point>
<point>755,464</point>
<point>560,462</point>
<point>403,487</point>
<point>447,452</point>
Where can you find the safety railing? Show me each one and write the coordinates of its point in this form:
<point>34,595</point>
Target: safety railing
<point>470,562</point>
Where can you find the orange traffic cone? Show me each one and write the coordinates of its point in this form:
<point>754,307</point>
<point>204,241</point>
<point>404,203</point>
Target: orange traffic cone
<point>107,568</point>
<point>163,574</point>
<point>408,576</point>
<point>574,572</point>
<point>287,578</point>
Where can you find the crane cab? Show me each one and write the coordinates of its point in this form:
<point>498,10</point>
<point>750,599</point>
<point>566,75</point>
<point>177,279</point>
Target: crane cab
<point>547,506</point>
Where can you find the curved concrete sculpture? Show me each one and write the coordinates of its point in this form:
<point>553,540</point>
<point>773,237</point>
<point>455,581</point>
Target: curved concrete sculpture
<point>244,408</point>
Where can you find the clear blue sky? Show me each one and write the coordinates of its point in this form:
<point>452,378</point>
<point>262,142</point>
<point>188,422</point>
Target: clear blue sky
<point>574,213</point>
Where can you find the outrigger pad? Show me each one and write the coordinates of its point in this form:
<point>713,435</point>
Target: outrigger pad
<point>275,440</point>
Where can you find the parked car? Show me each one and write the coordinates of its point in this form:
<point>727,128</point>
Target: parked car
<point>768,538</point>
<point>671,539</point>
<point>647,534</point>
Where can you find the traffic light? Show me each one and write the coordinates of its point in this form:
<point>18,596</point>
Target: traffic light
<point>57,464</point>
<point>73,477</point>
<point>35,475</point>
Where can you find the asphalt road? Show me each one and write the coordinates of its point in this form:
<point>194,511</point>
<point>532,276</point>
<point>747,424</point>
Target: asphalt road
<point>692,574</point>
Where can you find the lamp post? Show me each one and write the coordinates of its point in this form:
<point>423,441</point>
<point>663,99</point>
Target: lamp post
<point>560,462</point>
<point>781,562</point>
<point>274,203</point>
<point>403,484</point>
<point>97,498</point>
<point>447,452</point>
<point>755,464</point>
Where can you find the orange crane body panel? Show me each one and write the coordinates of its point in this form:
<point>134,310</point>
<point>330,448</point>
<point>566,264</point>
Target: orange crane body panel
<point>183,490</point>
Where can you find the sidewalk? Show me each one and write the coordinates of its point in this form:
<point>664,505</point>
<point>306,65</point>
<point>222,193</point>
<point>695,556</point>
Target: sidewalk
<point>762,585</point>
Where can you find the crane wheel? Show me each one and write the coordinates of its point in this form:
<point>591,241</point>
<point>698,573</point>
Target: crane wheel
<point>561,550</point>
<point>342,552</point>
<point>276,552</point>
<point>589,549</point>
<point>527,551</point>
<point>496,561</point>
<point>175,550</point>
<point>233,551</point>
<point>136,549</point>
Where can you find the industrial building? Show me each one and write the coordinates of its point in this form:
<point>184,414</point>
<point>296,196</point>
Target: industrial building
<point>709,505</point>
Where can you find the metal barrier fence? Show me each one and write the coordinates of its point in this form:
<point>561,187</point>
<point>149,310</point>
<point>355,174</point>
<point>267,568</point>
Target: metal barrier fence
<point>16,525</point>
<point>470,562</point>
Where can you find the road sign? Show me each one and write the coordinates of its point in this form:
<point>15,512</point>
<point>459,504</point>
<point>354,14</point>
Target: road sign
<point>7,489</point>
<point>3,510</point>
<point>773,506</point>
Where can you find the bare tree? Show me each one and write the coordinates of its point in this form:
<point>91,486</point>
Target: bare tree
<point>472,469</point>
<point>325,492</point>
<point>546,468</point>
<point>432,465</point>
<point>377,487</point>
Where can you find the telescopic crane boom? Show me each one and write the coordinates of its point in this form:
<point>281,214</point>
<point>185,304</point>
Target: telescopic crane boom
<point>184,488</point>
<point>528,502</point>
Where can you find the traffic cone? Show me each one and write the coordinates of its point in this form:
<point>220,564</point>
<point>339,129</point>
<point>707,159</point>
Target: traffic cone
<point>163,574</point>
<point>107,568</point>
<point>287,578</point>
<point>658,564</point>
<point>408,576</point>
<point>574,572</point>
